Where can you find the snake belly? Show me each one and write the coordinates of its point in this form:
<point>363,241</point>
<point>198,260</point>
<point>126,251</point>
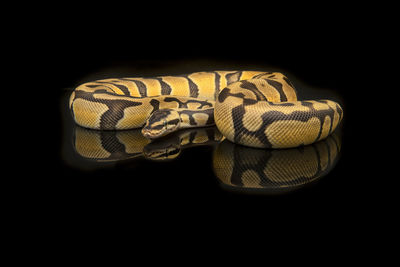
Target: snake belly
<point>251,108</point>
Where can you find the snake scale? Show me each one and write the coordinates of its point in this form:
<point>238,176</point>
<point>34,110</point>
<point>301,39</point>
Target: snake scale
<point>251,108</point>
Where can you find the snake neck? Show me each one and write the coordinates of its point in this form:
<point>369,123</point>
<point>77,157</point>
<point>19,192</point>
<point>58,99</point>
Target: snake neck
<point>196,118</point>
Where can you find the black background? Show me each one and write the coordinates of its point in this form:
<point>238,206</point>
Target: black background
<point>319,48</point>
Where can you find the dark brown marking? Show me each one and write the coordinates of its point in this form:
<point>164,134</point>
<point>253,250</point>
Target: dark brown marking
<point>227,92</point>
<point>233,77</point>
<point>217,84</point>
<point>278,87</point>
<point>165,88</point>
<point>253,88</point>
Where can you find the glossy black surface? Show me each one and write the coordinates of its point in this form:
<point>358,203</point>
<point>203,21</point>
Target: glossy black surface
<point>71,210</point>
<point>321,54</point>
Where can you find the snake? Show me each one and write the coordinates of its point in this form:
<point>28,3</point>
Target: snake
<point>237,168</point>
<point>251,108</point>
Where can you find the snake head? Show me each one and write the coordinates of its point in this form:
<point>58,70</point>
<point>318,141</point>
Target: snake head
<point>161,123</point>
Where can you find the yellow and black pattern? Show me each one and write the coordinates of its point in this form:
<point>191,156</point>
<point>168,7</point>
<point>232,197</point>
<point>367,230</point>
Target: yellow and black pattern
<point>252,108</point>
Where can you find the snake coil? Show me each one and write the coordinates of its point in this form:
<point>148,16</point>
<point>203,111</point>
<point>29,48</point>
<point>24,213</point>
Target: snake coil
<point>251,108</point>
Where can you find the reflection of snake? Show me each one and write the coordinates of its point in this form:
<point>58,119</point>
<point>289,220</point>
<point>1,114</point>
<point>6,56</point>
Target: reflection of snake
<point>121,145</point>
<point>257,109</point>
<point>240,167</point>
<point>237,167</point>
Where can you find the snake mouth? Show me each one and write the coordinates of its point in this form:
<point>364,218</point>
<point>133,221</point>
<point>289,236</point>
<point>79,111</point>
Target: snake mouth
<point>151,133</point>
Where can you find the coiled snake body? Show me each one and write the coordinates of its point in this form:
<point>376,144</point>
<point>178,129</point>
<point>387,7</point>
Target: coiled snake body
<point>252,108</point>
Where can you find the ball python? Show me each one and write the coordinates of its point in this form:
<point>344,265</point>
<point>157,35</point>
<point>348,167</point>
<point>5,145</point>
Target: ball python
<point>238,168</point>
<point>251,108</point>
